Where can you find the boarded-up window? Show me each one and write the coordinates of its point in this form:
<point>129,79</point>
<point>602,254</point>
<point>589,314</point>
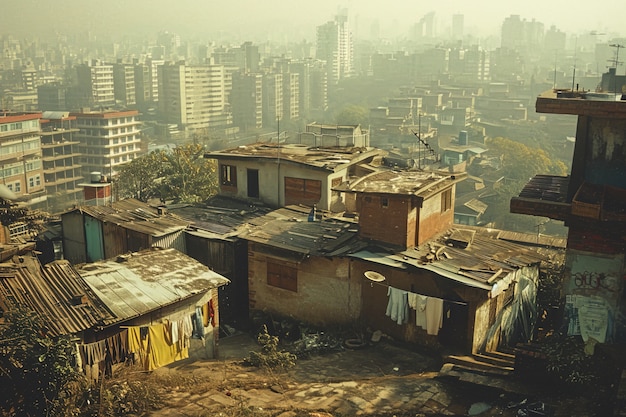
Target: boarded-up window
<point>446,200</point>
<point>228,175</point>
<point>302,191</point>
<point>282,275</point>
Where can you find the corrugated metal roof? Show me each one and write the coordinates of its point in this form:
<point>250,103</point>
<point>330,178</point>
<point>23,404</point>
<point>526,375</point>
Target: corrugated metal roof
<point>56,292</point>
<point>144,281</point>
<point>137,216</point>
<point>219,217</point>
<point>533,239</point>
<point>288,228</point>
<point>472,256</point>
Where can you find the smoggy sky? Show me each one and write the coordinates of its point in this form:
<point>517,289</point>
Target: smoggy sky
<point>283,19</point>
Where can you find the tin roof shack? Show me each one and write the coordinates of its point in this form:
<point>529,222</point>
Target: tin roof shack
<point>298,267</point>
<point>407,218</point>
<point>213,238</point>
<point>287,174</point>
<point>91,233</point>
<point>482,290</point>
<point>164,301</point>
<point>592,203</point>
<point>56,292</point>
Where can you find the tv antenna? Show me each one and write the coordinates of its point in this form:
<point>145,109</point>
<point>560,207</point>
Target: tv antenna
<point>616,61</point>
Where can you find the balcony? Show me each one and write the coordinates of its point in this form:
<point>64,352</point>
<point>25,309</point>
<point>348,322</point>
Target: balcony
<point>544,196</point>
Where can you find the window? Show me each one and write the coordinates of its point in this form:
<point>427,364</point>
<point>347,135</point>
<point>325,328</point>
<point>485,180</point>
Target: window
<point>228,175</point>
<point>282,275</point>
<point>384,202</point>
<point>18,187</point>
<point>446,200</point>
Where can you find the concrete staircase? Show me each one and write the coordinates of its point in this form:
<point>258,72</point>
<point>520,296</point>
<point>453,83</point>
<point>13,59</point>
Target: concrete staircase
<point>494,363</point>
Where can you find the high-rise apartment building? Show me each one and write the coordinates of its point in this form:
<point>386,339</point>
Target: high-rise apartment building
<point>107,139</point>
<point>95,83</point>
<point>60,157</point>
<point>273,109</point>
<point>246,100</point>
<point>335,46</point>
<point>312,77</point>
<point>124,84</point>
<point>291,96</point>
<point>194,97</point>
<point>20,156</point>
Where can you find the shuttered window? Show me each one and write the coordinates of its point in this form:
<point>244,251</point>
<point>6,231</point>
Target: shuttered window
<point>282,275</point>
<point>302,191</point>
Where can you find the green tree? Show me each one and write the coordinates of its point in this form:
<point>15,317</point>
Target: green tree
<point>36,371</point>
<point>353,115</point>
<point>189,177</point>
<point>521,162</point>
<point>179,175</point>
<point>141,178</point>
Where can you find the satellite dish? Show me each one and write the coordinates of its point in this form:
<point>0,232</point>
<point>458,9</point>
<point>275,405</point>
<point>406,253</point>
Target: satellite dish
<point>7,194</point>
<point>374,276</point>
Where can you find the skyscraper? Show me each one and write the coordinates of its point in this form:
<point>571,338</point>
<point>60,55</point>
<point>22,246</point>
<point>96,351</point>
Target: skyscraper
<point>335,46</point>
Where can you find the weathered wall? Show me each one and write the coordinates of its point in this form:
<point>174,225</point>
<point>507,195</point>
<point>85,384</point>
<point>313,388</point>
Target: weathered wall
<point>386,223</point>
<point>74,246</point>
<point>432,220</point>
<point>326,294</point>
<point>375,301</point>
<point>272,175</point>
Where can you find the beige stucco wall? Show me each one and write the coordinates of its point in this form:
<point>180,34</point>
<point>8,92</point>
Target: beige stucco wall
<point>327,293</point>
<point>272,175</point>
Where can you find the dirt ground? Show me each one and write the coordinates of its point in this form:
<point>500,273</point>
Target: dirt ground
<point>383,379</point>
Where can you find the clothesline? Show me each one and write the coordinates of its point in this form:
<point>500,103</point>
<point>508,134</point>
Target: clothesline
<point>448,301</point>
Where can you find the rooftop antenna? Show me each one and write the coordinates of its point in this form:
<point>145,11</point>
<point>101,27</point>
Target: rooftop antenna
<point>574,72</point>
<point>615,62</point>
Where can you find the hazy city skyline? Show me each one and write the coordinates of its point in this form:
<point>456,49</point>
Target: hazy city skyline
<point>277,20</point>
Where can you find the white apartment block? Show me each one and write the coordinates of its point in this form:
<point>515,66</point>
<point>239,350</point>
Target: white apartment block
<point>335,46</point>
<point>96,83</point>
<point>108,140</point>
<point>195,97</point>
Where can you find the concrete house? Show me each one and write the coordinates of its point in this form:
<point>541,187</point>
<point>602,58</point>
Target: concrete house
<point>91,233</point>
<point>286,174</point>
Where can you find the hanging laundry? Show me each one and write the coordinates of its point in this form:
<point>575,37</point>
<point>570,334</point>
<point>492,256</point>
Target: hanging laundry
<point>198,324</point>
<point>418,303</point>
<point>434,315</point>
<point>398,305</point>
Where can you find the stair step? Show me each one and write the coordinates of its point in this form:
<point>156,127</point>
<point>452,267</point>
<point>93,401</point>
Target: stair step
<point>479,365</point>
<point>465,372</point>
<point>494,359</point>
<point>500,354</point>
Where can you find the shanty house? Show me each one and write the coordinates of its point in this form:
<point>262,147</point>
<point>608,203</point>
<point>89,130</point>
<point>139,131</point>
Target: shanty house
<point>297,266</point>
<point>333,270</point>
<point>55,292</point>
<point>289,174</point>
<point>213,239</point>
<point>91,233</point>
<point>164,306</point>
